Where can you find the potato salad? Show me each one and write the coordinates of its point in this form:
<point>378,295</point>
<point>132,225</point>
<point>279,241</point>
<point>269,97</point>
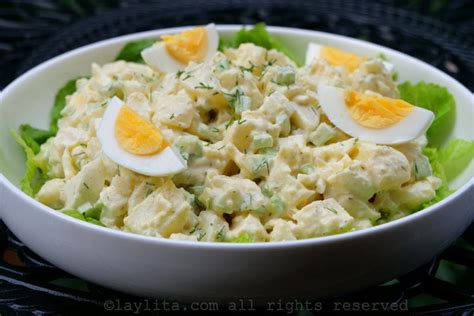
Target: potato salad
<point>238,143</point>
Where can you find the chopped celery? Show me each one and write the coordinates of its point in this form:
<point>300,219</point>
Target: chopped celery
<point>307,169</point>
<point>238,100</point>
<point>422,168</point>
<point>276,206</point>
<point>260,166</point>
<point>268,151</point>
<point>322,134</point>
<point>285,76</point>
<point>242,103</point>
<point>196,189</point>
<point>266,191</point>
<point>262,140</point>
<point>284,122</point>
<point>189,146</point>
<point>223,64</point>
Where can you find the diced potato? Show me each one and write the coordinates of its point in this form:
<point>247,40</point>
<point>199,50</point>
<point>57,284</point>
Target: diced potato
<point>321,218</point>
<point>281,230</point>
<point>52,193</point>
<point>117,196</point>
<point>86,186</point>
<point>175,111</point>
<point>388,168</point>
<point>225,194</point>
<point>353,180</point>
<point>322,134</point>
<point>162,213</point>
<point>282,183</point>
<point>413,195</point>
<point>210,227</point>
<point>247,227</point>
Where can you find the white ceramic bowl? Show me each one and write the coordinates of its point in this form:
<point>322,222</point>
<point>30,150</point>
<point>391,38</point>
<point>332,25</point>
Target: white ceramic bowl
<point>188,271</point>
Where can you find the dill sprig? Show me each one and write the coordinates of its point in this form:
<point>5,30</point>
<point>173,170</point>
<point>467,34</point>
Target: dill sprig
<point>202,85</point>
<point>249,69</point>
<point>221,234</point>
<point>331,210</point>
<point>262,164</point>
<point>201,236</point>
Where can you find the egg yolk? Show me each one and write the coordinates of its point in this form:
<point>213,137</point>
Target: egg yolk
<point>337,57</point>
<point>136,135</point>
<point>187,46</point>
<point>375,111</point>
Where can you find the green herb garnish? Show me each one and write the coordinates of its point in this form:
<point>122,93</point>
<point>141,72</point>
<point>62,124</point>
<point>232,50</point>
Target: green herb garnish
<point>202,85</point>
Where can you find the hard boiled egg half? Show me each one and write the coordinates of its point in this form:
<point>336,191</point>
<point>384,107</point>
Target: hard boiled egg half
<point>174,52</point>
<point>373,117</point>
<point>136,144</point>
<point>338,57</point>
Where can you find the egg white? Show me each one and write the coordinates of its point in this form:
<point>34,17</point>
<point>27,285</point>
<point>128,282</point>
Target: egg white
<point>164,163</point>
<point>332,101</point>
<point>157,55</point>
<point>314,50</point>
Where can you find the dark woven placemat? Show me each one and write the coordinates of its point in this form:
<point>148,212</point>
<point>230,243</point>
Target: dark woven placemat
<point>449,48</point>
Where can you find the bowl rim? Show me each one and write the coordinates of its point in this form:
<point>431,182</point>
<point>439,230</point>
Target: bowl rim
<point>309,242</point>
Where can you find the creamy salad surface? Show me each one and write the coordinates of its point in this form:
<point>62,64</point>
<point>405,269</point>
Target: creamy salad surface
<point>261,159</point>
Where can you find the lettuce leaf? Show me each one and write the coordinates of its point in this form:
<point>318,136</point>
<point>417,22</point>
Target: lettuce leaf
<point>91,215</point>
<point>132,51</point>
<point>33,178</point>
<point>34,137</point>
<point>436,99</point>
<point>94,221</point>
<point>455,157</point>
<point>243,238</point>
<point>259,36</point>
<point>94,212</point>
<point>75,214</point>
<point>447,163</point>
<point>438,171</point>
<point>31,138</point>
<point>60,102</point>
